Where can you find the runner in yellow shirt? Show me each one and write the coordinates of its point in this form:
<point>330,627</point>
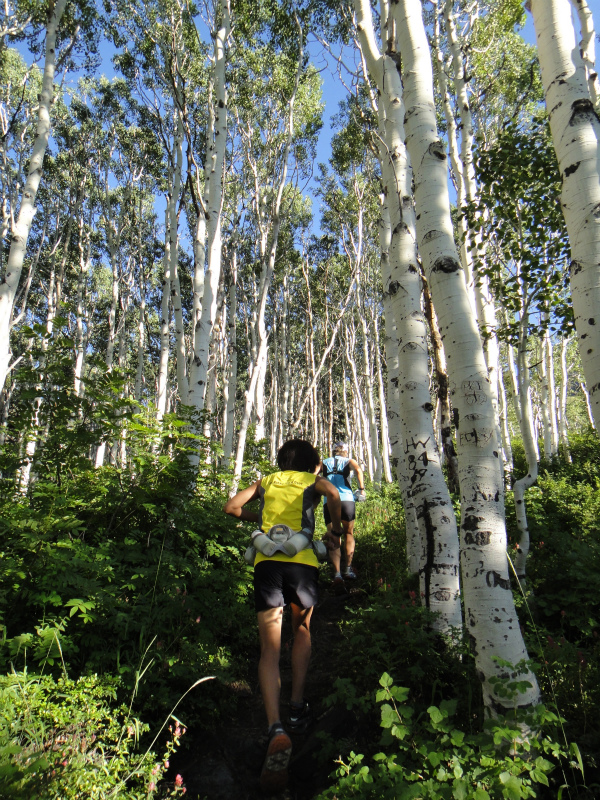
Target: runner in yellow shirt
<point>288,497</point>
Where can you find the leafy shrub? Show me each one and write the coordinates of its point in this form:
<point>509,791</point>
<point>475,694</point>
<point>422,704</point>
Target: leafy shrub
<point>426,756</point>
<point>72,739</point>
<point>137,554</point>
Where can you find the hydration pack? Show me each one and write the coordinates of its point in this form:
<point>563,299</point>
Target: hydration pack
<point>283,539</point>
<point>336,467</point>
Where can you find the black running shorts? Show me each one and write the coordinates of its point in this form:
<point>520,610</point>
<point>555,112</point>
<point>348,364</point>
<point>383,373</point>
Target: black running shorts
<point>277,583</point>
<point>348,511</point>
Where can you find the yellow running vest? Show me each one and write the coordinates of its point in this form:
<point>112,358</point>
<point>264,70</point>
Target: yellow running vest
<point>288,498</point>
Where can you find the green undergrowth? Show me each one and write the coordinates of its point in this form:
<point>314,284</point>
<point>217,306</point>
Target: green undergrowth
<point>73,739</point>
<point>129,572</point>
<point>114,572</point>
<point>422,731</point>
<point>424,754</point>
<point>560,611</point>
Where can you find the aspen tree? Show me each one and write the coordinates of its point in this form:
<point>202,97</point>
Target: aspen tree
<point>575,131</point>
<point>231,360</point>
<point>562,417</point>
<point>545,398</point>
<point>22,226</point>
<point>84,243</point>
<point>504,431</point>
<point>467,195</point>
<point>490,614</point>
<point>209,217</point>
<point>60,241</point>
<point>588,406</point>
<point>165,315</point>
<point>361,415</point>
<point>432,540</point>
<point>529,444</point>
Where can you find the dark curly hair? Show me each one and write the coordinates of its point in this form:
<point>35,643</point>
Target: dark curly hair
<point>299,455</point>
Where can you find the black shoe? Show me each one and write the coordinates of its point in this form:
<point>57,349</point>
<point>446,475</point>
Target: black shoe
<point>299,718</point>
<point>274,774</point>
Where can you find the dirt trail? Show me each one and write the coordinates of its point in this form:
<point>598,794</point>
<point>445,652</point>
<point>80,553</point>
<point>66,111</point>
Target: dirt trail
<point>230,764</point>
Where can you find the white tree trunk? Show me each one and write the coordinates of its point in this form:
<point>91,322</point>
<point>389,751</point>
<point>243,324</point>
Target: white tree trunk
<point>165,314</point>
<point>564,383</point>
<point>531,451</point>
<point>231,379</point>
<point>545,397</point>
<point>587,46</point>
<point>141,342</point>
<point>214,171</point>
<point>85,249</point>
<point>361,415</point>
<point>430,521</point>
<point>587,404</point>
<point>20,231</point>
<point>114,230</point>
<point>575,131</point>
<point>552,393</point>
<point>469,192</point>
<point>549,398</point>
<point>489,607</point>
<point>285,410</point>
<point>507,455</point>
<point>370,399</point>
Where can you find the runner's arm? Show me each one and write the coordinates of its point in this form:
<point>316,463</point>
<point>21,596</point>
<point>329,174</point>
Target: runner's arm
<point>326,489</point>
<point>235,505</point>
<point>360,477</point>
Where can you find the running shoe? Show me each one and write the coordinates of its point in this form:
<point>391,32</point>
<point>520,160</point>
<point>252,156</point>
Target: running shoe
<point>274,773</point>
<point>300,717</point>
<point>349,573</point>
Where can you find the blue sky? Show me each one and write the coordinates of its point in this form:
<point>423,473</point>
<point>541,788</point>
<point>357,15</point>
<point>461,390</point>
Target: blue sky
<point>333,89</point>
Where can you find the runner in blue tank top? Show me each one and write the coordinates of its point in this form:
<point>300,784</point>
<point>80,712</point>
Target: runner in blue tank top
<point>338,469</point>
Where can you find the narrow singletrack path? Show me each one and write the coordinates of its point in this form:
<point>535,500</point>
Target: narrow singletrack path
<point>228,766</point>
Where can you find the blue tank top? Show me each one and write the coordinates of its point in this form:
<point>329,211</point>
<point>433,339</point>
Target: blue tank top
<point>337,469</point>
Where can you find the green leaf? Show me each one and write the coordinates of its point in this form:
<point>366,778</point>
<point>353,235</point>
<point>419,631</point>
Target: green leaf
<point>512,786</point>
<point>460,789</point>
<point>539,776</point>
<point>385,680</point>
<point>388,716</point>
<point>574,750</point>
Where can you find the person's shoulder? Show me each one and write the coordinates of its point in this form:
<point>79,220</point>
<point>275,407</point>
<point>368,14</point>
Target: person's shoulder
<point>290,476</point>
<point>272,478</point>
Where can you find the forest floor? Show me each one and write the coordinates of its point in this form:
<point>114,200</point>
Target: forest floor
<point>228,766</point>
